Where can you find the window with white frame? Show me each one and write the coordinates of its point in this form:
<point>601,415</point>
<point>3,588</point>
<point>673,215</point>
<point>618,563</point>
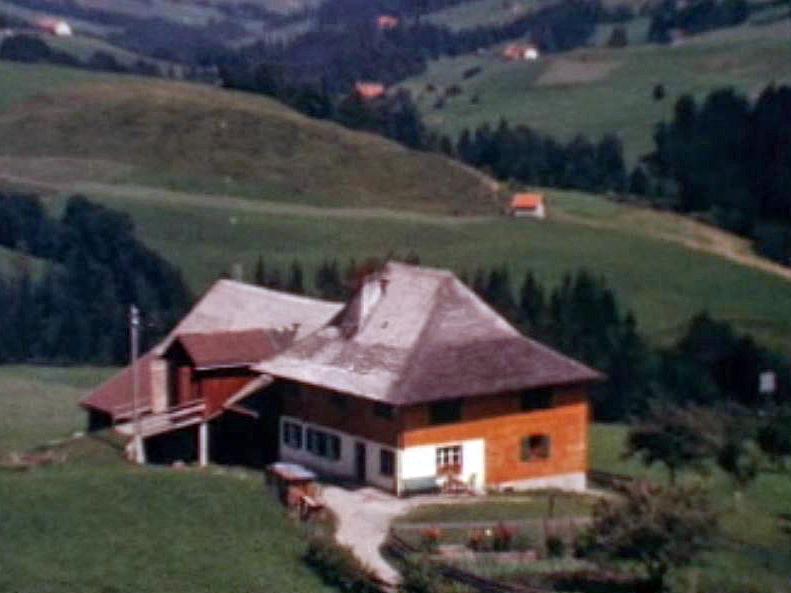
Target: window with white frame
<point>292,435</point>
<point>323,444</point>
<point>449,460</point>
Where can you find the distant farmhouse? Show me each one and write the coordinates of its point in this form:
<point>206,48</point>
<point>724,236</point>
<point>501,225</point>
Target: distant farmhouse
<point>412,384</point>
<point>386,22</point>
<point>57,27</point>
<point>531,205</point>
<point>526,52</point>
<point>368,91</point>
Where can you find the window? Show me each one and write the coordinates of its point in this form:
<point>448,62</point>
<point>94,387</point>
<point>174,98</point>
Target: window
<point>292,435</point>
<point>449,460</point>
<point>323,444</point>
<point>445,412</point>
<point>535,447</point>
<point>383,410</point>
<point>536,399</point>
<point>386,462</point>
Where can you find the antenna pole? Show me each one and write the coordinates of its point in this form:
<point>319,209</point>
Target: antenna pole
<point>134,335</point>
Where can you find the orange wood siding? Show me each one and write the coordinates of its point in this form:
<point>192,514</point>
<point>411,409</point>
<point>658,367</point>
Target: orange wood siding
<point>216,386</point>
<point>501,422</point>
<point>356,417</point>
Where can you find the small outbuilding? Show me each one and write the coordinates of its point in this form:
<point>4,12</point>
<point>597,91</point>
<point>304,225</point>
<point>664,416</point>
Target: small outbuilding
<point>57,27</point>
<point>526,52</point>
<point>386,22</point>
<point>528,204</point>
<point>368,91</point>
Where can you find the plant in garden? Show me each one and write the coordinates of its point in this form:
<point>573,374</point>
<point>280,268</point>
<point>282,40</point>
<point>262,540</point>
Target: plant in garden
<point>659,528</point>
<point>429,539</point>
<point>477,540</point>
<point>555,546</point>
<point>502,537</point>
<point>338,566</point>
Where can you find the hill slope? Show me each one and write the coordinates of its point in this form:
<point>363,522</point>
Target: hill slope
<point>207,197</point>
<point>595,91</point>
<point>199,138</point>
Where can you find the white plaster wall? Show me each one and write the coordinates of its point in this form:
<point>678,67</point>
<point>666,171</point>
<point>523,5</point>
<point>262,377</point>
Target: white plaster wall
<point>343,467</point>
<point>418,465</point>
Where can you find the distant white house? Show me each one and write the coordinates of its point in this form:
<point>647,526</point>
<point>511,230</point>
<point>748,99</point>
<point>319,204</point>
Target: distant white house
<point>521,52</point>
<point>528,205</point>
<point>57,27</point>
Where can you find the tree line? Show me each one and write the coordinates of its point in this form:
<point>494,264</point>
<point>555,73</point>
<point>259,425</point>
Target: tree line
<point>521,154</point>
<point>30,49</point>
<point>711,364</point>
<point>729,160</point>
<point>72,306</point>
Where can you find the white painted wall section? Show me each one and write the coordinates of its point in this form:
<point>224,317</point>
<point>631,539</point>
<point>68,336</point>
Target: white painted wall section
<point>418,465</point>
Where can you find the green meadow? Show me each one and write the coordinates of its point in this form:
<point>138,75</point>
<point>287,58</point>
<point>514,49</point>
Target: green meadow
<point>95,524</point>
<point>595,91</point>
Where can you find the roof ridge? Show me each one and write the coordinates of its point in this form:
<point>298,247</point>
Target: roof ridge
<point>272,291</point>
<point>419,340</point>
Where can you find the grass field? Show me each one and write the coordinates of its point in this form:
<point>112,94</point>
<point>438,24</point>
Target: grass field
<point>665,285</point>
<point>95,524</point>
<point>40,403</point>
<point>181,135</point>
<point>306,190</point>
<point>595,91</point>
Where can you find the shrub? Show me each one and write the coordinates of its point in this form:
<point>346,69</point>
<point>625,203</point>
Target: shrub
<point>429,539</point>
<point>502,538</point>
<point>338,566</point>
<point>477,540</point>
<point>420,577</point>
<point>556,547</point>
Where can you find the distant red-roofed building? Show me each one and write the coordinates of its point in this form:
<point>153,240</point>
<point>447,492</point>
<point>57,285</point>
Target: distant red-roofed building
<point>385,22</point>
<point>368,91</point>
<point>531,205</point>
<point>521,52</point>
<point>57,27</point>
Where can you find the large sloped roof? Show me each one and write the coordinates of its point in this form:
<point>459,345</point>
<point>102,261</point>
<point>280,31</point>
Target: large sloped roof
<point>424,337</point>
<point>225,349</point>
<point>227,307</point>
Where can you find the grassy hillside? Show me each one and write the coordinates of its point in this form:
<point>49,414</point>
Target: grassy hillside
<point>192,137</point>
<point>666,277</point>
<point>95,524</point>
<point>214,178</point>
<point>594,91</point>
<point>38,404</point>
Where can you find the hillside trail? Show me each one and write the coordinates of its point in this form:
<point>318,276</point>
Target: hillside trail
<point>693,235</point>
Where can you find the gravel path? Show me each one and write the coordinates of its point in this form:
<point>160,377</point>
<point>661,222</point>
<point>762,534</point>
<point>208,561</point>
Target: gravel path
<point>364,516</point>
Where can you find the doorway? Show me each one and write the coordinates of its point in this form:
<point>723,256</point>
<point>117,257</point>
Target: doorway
<point>360,461</point>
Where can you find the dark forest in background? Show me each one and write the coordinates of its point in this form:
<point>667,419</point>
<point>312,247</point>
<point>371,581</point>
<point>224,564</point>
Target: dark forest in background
<point>729,160</point>
<point>91,267</point>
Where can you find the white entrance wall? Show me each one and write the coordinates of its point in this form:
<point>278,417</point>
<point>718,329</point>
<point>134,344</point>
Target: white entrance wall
<point>418,467</point>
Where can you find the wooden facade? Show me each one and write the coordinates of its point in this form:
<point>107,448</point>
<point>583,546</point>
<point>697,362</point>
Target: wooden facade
<point>500,420</point>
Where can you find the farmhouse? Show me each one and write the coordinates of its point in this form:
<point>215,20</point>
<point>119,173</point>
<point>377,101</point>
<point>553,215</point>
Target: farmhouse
<point>57,27</point>
<point>528,204</point>
<point>521,52</point>
<point>367,91</point>
<point>386,22</point>
<point>414,383</point>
